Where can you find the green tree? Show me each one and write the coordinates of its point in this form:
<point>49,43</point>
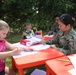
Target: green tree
<point>39,12</point>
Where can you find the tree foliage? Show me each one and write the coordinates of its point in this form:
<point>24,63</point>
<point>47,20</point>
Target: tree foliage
<point>39,12</point>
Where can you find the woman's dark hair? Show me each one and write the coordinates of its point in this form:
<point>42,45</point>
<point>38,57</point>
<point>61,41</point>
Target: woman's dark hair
<point>66,19</point>
<point>57,15</point>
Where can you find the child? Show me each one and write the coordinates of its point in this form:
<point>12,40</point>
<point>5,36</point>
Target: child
<point>4,29</point>
<point>28,32</point>
<point>66,37</point>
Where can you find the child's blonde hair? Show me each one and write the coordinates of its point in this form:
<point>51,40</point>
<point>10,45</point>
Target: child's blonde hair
<point>3,24</point>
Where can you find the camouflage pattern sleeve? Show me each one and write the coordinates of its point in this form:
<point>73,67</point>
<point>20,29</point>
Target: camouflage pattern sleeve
<point>54,29</point>
<point>66,52</point>
<point>70,47</point>
<point>54,41</point>
<point>66,42</point>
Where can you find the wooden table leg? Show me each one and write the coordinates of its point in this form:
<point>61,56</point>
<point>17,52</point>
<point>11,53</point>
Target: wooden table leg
<point>20,72</point>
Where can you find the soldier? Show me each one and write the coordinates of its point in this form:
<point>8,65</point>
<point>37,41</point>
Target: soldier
<point>65,39</point>
<point>54,28</point>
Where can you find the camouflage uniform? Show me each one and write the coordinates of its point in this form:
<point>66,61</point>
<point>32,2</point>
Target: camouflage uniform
<point>54,29</point>
<point>66,42</point>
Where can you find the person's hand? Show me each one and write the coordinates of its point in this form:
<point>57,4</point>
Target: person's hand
<point>24,48</point>
<point>24,34</point>
<point>53,46</point>
<point>16,51</point>
<point>50,33</point>
<point>29,49</point>
<point>43,42</point>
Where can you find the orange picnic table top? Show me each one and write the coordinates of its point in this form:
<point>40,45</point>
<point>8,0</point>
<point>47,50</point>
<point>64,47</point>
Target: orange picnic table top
<point>34,59</point>
<point>58,66</point>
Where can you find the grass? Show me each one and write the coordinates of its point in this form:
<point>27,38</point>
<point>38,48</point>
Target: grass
<point>13,38</point>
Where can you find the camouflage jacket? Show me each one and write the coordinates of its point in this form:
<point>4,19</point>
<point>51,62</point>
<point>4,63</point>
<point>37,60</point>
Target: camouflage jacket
<point>66,42</point>
<point>54,29</point>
